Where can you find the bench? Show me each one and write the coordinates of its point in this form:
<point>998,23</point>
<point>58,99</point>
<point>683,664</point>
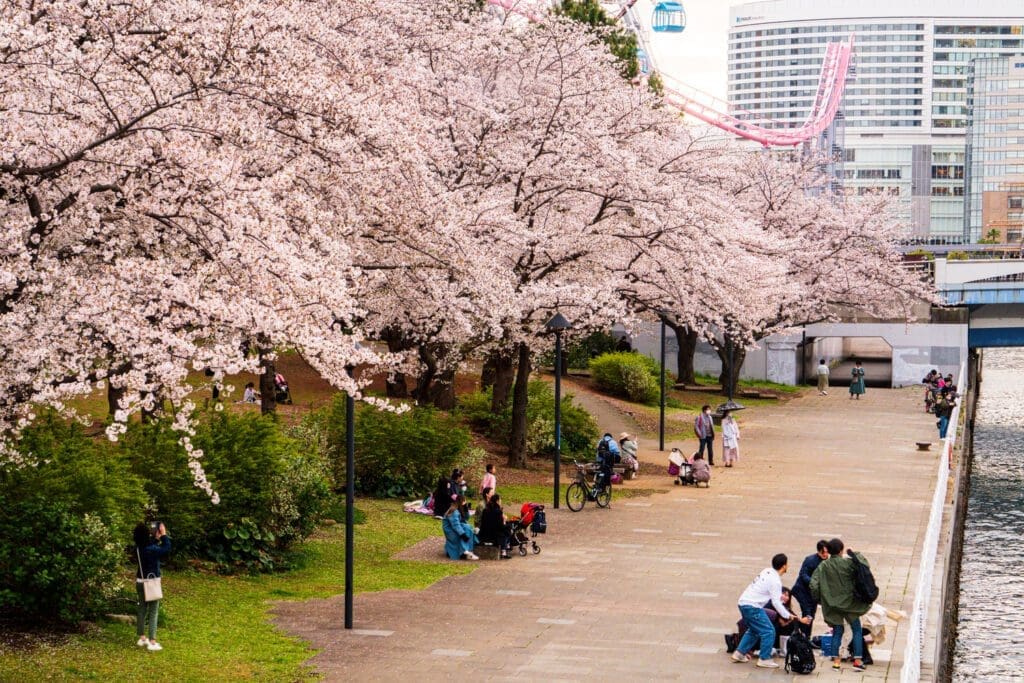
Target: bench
<point>620,469</point>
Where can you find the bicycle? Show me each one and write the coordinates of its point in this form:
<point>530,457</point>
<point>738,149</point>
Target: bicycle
<point>579,492</point>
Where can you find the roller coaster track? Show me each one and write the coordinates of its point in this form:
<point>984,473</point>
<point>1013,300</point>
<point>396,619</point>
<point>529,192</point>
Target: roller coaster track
<point>717,112</point>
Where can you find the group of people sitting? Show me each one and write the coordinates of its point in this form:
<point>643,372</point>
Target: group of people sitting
<point>450,503</point>
<point>611,452</point>
<point>940,396</point>
<point>281,392</point>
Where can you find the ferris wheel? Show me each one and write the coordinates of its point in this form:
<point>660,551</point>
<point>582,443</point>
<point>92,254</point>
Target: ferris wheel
<point>669,16</point>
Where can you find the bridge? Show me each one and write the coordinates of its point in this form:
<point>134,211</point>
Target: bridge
<point>993,292</point>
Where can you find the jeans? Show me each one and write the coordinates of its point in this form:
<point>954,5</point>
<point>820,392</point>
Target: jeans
<point>759,628</point>
<point>147,610</point>
<point>709,442</point>
<point>857,642</point>
<point>943,426</point>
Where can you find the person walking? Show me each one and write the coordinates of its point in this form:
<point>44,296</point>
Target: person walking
<point>823,377</point>
<point>704,427</point>
<point>832,585</point>
<point>149,548</point>
<point>944,410</point>
<point>730,439</point>
<point>857,381</point>
<point>764,589</point>
<point>802,587</point>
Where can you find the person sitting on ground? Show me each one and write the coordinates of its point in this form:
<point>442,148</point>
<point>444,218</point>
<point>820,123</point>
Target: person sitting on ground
<point>629,448</point>
<point>765,588</point>
<point>250,395</point>
<point>493,526</point>
<point>489,480</point>
<point>607,454</point>
<point>459,539</point>
<point>442,496</point>
<point>699,470</point>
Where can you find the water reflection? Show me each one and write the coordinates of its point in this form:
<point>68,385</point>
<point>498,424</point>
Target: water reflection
<point>992,576</point>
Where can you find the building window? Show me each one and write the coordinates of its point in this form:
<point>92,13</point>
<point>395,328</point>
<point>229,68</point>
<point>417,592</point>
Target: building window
<point>1015,202</point>
<point>947,171</point>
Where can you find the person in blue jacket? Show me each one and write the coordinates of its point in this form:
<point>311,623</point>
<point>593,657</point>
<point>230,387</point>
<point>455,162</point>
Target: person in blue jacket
<point>802,587</point>
<point>459,539</point>
<point>149,548</point>
<point>607,455</point>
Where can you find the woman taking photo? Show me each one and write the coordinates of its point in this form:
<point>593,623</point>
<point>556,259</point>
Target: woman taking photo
<point>149,548</point>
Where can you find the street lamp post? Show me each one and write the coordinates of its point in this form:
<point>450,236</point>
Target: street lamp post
<point>661,414</point>
<point>558,324</point>
<point>350,498</point>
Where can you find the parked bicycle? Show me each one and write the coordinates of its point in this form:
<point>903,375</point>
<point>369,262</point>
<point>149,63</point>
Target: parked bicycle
<point>579,492</point>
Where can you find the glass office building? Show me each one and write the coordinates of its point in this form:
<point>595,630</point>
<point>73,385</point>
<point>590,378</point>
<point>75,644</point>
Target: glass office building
<point>994,205</point>
<point>906,98</point>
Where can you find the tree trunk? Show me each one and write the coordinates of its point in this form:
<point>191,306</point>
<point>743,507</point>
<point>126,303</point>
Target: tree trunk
<point>442,391</point>
<point>739,354</point>
<point>520,396</point>
<point>426,378</point>
<point>504,372</point>
<point>114,394</point>
<point>488,373</point>
<point>268,389</point>
<point>394,384</point>
<point>687,342</point>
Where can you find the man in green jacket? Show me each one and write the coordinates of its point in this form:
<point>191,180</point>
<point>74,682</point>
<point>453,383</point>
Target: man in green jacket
<point>832,586</point>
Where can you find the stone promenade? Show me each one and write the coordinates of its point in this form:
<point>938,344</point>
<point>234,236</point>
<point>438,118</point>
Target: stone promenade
<point>645,590</point>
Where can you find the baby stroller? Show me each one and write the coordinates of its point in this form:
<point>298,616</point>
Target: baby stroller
<point>281,392</point>
<point>533,519</point>
<point>679,468</point>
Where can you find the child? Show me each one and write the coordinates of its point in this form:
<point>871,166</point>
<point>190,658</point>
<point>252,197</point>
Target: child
<point>489,480</point>
<point>250,395</point>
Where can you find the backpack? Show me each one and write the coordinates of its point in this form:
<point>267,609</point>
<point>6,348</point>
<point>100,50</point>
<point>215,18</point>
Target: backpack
<point>539,525</point>
<point>799,654</point>
<point>864,587</point>
<point>604,452</point>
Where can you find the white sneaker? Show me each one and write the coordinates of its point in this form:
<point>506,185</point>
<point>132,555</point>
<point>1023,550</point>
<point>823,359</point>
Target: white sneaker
<point>767,664</point>
<point>471,556</point>
<point>153,646</point>
<point>142,641</point>
<point>739,657</point>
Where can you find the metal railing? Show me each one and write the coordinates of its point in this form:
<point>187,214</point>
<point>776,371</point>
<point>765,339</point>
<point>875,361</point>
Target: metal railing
<point>916,630</point>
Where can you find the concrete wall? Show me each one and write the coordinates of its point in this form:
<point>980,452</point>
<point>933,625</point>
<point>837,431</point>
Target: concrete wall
<point>916,348</point>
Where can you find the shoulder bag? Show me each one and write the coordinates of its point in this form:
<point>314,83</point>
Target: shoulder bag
<point>151,588</point>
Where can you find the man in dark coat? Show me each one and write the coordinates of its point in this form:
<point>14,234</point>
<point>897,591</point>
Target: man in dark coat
<point>802,587</point>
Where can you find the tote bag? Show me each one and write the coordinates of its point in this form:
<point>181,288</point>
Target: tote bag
<point>151,588</point>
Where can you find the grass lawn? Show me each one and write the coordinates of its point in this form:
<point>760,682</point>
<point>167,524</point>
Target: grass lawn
<point>215,628</point>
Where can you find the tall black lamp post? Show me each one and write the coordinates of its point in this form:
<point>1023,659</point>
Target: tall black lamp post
<point>558,324</point>
<point>661,414</point>
<point>350,497</point>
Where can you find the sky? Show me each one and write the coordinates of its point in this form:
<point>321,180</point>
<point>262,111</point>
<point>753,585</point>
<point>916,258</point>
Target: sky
<point>697,56</point>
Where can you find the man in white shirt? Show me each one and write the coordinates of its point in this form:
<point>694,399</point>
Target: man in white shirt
<point>823,377</point>
<point>765,588</point>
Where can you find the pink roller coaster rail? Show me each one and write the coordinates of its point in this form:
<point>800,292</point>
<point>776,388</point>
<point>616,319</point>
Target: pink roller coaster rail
<point>714,111</point>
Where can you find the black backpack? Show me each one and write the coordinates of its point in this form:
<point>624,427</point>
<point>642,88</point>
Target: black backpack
<point>604,452</point>
<point>539,525</point>
<point>799,654</point>
<point>864,587</point>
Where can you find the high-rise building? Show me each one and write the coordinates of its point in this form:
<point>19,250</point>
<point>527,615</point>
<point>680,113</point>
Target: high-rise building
<point>994,202</point>
<point>905,102</point>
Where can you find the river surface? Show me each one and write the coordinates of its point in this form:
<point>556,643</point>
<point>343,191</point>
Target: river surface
<point>990,636</point>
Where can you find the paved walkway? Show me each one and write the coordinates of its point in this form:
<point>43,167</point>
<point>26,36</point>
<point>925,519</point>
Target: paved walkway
<point>645,590</point>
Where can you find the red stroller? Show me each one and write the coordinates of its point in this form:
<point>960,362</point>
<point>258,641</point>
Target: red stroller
<point>533,519</point>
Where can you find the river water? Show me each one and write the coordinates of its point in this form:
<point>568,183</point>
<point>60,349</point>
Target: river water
<point>990,637</point>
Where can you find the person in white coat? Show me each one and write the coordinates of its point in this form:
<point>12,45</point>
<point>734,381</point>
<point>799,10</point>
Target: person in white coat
<point>730,439</point>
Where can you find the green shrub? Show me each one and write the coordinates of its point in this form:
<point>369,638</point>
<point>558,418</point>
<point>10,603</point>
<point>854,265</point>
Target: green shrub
<point>627,374</point>
<point>89,475</point>
<point>579,431</point>
<point>272,493</point>
<point>55,565</point>
<point>396,454</point>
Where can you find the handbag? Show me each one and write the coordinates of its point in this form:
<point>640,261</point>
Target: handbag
<point>151,588</point>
